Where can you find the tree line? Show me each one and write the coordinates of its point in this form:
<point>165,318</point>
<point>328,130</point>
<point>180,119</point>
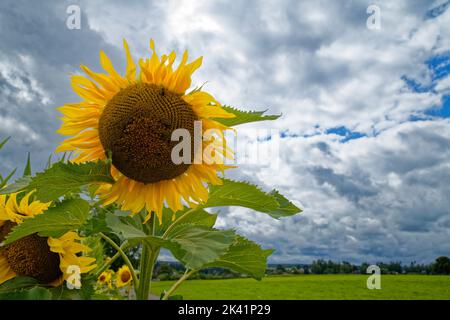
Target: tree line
<point>173,271</point>
<point>440,266</point>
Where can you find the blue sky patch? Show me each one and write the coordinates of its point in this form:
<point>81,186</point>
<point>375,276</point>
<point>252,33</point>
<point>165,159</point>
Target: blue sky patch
<point>345,133</point>
<point>439,66</point>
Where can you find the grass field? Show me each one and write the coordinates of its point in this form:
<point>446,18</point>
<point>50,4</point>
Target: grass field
<point>313,287</point>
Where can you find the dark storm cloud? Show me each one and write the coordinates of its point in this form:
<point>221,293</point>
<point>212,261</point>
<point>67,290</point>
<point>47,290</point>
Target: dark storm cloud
<point>346,186</point>
<point>36,32</point>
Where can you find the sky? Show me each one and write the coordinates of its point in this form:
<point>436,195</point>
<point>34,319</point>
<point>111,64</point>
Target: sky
<point>364,147</point>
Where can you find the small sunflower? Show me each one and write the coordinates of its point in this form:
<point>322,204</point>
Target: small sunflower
<point>42,258</point>
<point>105,278</point>
<point>123,277</point>
<point>133,117</point>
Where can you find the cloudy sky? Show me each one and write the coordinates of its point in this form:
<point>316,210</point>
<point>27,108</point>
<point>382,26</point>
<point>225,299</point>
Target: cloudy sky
<point>365,132</point>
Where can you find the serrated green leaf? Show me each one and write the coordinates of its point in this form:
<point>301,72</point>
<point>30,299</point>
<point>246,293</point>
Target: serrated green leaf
<point>129,230</point>
<point>36,293</point>
<point>244,194</point>
<point>96,224</point>
<point>62,178</point>
<point>192,244</point>
<point>286,207</point>
<point>195,245</point>
<point>244,256</point>
<point>27,170</point>
<point>197,216</point>
<point>244,117</point>
<point>122,229</point>
<point>63,217</point>
<point>17,283</point>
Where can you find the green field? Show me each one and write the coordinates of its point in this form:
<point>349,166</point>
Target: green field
<point>312,287</point>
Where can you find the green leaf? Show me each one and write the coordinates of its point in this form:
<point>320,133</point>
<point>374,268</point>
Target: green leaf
<point>194,216</point>
<point>49,161</point>
<point>86,292</point>
<point>2,144</point>
<point>62,178</point>
<point>198,217</point>
<point>244,256</point>
<point>36,293</point>
<point>195,245</point>
<point>27,170</point>
<point>129,229</point>
<point>244,194</point>
<point>192,244</point>
<point>5,180</point>
<point>286,207</point>
<point>123,229</point>
<point>63,217</point>
<point>244,117</point>
<point>96,223</point>
<point>17,283</point>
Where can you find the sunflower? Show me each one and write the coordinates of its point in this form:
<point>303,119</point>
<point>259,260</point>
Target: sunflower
<point>105,278</point>
<point>44,258</point>
<point>132,118</point>
<point>123,277</point>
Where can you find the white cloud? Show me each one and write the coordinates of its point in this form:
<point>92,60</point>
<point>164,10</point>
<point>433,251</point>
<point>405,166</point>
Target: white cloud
<point>19,81</point>
<point>383,196</point>
<point>443,85</point>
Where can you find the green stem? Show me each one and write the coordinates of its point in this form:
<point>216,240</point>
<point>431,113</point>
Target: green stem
<point>177,221</point>
<point>148,259</point>
<point>142,292</point>
<point>178,283</point>
<point>124,257</point>
<point>105,265</point>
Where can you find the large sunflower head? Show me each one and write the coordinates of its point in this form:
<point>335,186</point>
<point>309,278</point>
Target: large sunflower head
<point>133,118</point>
<point>44,258</point>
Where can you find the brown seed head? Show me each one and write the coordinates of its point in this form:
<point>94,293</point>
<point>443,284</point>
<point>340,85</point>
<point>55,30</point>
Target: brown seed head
<point>136,126</point>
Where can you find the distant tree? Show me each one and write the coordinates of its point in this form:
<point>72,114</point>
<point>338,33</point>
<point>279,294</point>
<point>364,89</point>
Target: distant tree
<point>441,266</point>
<point>395,267</point>
<point>346,267</point>
<point>165,268</point>
<point>363,267</point>
<point>318,267</point>
<point>280,269</point>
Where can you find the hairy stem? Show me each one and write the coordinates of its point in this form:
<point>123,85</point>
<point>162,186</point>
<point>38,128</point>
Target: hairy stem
<point>175,286</point>
<point>124,257</point>
<point>178,220</point>
<point>148,259</point>
<point>105,265</point>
